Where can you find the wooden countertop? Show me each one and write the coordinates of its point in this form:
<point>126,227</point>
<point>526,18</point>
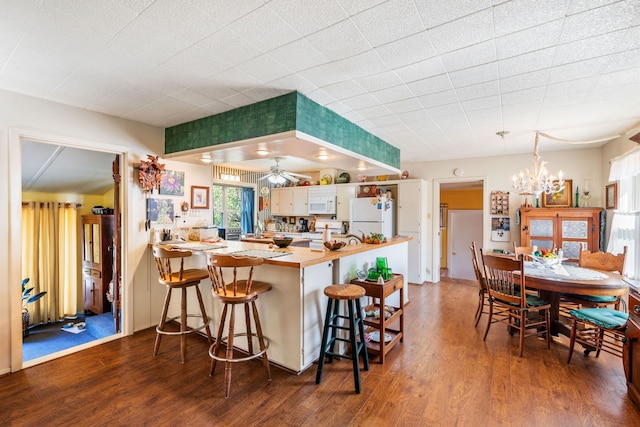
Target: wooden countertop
<point>298,257</point>
<point>270,240</point>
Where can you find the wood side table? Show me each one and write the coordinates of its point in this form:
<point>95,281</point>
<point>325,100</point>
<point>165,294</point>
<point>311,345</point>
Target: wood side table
<point>379,292</point>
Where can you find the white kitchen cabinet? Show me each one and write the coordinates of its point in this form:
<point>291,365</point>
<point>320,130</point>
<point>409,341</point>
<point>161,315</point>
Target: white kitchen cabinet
<point>289,201</point>
<point>412,223</point>
<point>345,194</point>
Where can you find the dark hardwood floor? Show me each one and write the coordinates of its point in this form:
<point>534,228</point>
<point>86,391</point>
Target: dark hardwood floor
<point>442,375</point>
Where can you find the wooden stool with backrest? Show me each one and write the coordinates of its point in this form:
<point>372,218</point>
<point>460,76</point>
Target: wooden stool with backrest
<point>237,287</point>
<point>334,322</point>
<point>177,277</point>
<point>482,287</point>
<point>509,302</point>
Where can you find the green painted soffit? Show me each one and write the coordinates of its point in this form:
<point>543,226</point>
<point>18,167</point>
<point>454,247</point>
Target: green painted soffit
<point>292,111</point>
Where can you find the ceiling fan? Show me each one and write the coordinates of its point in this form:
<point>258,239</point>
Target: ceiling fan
<point>279,176</point>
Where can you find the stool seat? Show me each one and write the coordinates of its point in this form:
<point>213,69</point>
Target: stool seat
<point>174,277</point>
<point>334,322</point>
<point>344,292</point>
<point>231,290</point>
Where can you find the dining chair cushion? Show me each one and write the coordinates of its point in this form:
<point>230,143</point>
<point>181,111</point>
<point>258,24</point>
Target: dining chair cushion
<point>603,317</point>
<point>532,301</point>
<point>593,298</point>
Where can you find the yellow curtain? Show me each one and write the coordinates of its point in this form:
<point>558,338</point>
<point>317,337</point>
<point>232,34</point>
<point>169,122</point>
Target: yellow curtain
<point>50,258</point>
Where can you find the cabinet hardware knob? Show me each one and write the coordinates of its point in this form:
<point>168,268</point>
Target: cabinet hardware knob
<point>636,309</point>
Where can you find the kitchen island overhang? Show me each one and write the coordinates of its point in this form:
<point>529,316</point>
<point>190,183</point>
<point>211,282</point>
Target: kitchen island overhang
<point>292,313</point>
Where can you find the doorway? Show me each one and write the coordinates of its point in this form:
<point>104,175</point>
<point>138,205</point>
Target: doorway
<point>465,227</point>
<point>55,171</point>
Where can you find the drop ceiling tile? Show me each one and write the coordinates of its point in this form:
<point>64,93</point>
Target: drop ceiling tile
<point>437,12</point>
<point>405,105</point>
<point>356,6</point>
<point>514,16</point>
<point>321,97</point>
<point>216,107</point>
<point>439,98</point>
<point>191,97</point>
<point>293,82</point>
<point>393,94</point>
<point>411,117</point>
<point>344,89</point>
<point>264,92</point>
<point>466,31</point>
<point>474,75</point>
<point>481,103</point>
<point>236,78</point>
<point>431,85</point>
<point>361,101</point>
<point>527,63</point>
<point>480,90</point>
<point>379,81</point>
<point>237,100</point>
<point>409,50</point>
<point>227,12</point>
<point>471,56</point>
<point>197,62</point>
<point>572,87</point>
<point>373,112</point>
<point>308,16</point>
<point>606,44</point>
<point>601,20</point>
<point>361,65</point>
<point>524,81</point>
<point>229,46</point>
<point>104,17</point>
<point>449,110</point>
<point>578,70</point>
<point>298,55</point>
<point>524,95</point>
<point>529,40</point>
<point>383,121</point>
<point>264,68</point>
<point>389,21</point>
<point>182,18</point>
<point>274,31</point>
<point>619,78</point>
<point>323,75</point>
<point>623,61</point>
<point>421,70</point>
<point>351,41</point>
<point>135,5</point>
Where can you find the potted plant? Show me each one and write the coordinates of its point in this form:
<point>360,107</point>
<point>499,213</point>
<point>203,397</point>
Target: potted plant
<point>26,299</point>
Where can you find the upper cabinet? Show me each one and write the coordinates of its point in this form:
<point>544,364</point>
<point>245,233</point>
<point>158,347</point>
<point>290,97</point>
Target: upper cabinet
<point>289,201</point>
<point>568,229</point>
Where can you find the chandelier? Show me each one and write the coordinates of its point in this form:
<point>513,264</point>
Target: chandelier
<point>537,180</point>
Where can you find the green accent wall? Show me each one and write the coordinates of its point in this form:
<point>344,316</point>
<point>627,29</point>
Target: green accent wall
<point>292,111</point>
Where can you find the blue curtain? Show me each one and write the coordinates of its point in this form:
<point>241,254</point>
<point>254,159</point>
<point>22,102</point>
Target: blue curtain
<point>246,213</point>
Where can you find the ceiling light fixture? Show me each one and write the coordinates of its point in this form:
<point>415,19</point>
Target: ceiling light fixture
<point>263,152</point>
<point>206,158</point>
<point>322,156</point>
<point>537,180</point>
<point>361,166</point>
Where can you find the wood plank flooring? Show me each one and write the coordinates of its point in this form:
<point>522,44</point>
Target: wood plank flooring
<point>442,375</point>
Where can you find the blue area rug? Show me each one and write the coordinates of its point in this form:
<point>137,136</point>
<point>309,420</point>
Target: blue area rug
<point>50,338</point>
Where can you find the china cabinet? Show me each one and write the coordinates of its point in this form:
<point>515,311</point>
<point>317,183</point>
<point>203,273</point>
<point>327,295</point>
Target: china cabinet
<point>97,261</point>
<point>569,229</point>
<point>631,353</point>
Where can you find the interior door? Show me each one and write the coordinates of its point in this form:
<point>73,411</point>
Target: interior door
<point>464,227</point>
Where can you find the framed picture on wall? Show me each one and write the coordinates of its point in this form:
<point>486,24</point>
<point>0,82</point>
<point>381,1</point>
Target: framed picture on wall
<point>611,196</point>
<point>199,197</point>
<point>561,199</point>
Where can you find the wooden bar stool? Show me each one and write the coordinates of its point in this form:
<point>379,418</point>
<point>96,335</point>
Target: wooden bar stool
<point>182,279</point>
<point>231,290</point>
<point>332,321</point>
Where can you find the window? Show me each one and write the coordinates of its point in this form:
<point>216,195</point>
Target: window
<point>227,203</point>
<point>625,225</point>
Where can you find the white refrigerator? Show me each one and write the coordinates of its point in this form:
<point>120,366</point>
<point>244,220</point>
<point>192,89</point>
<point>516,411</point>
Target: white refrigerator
<point>371,215</point>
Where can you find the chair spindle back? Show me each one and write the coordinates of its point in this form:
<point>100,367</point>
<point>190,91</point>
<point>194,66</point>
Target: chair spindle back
<point>217,264</point>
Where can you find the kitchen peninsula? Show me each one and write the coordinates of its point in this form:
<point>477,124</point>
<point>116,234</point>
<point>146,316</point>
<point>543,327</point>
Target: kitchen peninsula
<point>292,313</point>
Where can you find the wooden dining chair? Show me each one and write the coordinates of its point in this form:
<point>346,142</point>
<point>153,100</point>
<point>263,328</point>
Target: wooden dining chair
<point>519,251</point>
<point>482,287</point>
<point>510,303</point>
<point>599,329</point>
<point>603,261</point>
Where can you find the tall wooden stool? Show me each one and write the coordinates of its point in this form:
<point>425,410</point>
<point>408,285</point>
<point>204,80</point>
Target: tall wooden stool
<point>332,321</point>
<point>231,290</point>
<point>178,278</point>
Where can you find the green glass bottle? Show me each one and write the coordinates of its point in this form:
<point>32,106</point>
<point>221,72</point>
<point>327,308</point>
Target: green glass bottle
<point>577,195</point>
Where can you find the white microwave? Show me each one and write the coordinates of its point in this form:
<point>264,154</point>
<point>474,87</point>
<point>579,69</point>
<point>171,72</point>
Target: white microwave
<point>322,205</point>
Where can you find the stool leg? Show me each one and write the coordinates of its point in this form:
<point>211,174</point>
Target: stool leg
<point>323,348</point>
<point>205,318</point>
<point>216,345</point>
<point>334,329</point>
<point>183,325</point>
<point>229,353</point>
<point>354,346</point>
<point>163,320</point>
<point>247,322</point>
<point>265,360</point>
<point>363,337</point>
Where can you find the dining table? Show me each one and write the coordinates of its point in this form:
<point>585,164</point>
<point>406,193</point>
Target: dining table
<point>552,281</point>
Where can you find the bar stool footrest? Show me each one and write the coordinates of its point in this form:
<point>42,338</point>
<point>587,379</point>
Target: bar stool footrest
<point>188,330</point>
<point>224,340</point>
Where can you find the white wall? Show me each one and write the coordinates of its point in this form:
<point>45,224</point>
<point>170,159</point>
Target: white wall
<point>497,172</point>
<point>21,114</point>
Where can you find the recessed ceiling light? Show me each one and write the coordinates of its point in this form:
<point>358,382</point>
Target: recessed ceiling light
<point>361,167</point>
<point>263,152</point>
<point>206,158</point>
<point>322,156</point>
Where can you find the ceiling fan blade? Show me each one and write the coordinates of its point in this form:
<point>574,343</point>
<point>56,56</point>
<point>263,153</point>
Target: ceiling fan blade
<point>287,175</point>
<point>299,175</point>
<point>265,177</point>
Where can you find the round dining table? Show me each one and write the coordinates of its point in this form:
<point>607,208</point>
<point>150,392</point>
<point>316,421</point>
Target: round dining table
<point>570,280</point>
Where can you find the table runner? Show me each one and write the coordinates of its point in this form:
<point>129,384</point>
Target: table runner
<point>561,271</point>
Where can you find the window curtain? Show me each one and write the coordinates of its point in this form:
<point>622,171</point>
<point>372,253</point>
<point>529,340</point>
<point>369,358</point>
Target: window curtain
<point>625,225</point>
<point>50,259</point>
<point>246,212</point>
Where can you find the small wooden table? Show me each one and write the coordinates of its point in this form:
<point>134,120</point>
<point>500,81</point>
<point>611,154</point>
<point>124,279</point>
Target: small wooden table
<point>379,292</point>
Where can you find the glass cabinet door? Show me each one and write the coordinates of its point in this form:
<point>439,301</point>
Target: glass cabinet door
<point>86,239</point>
<point>95,243</point>
<point>575,237</point>
<point>541,232</point>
